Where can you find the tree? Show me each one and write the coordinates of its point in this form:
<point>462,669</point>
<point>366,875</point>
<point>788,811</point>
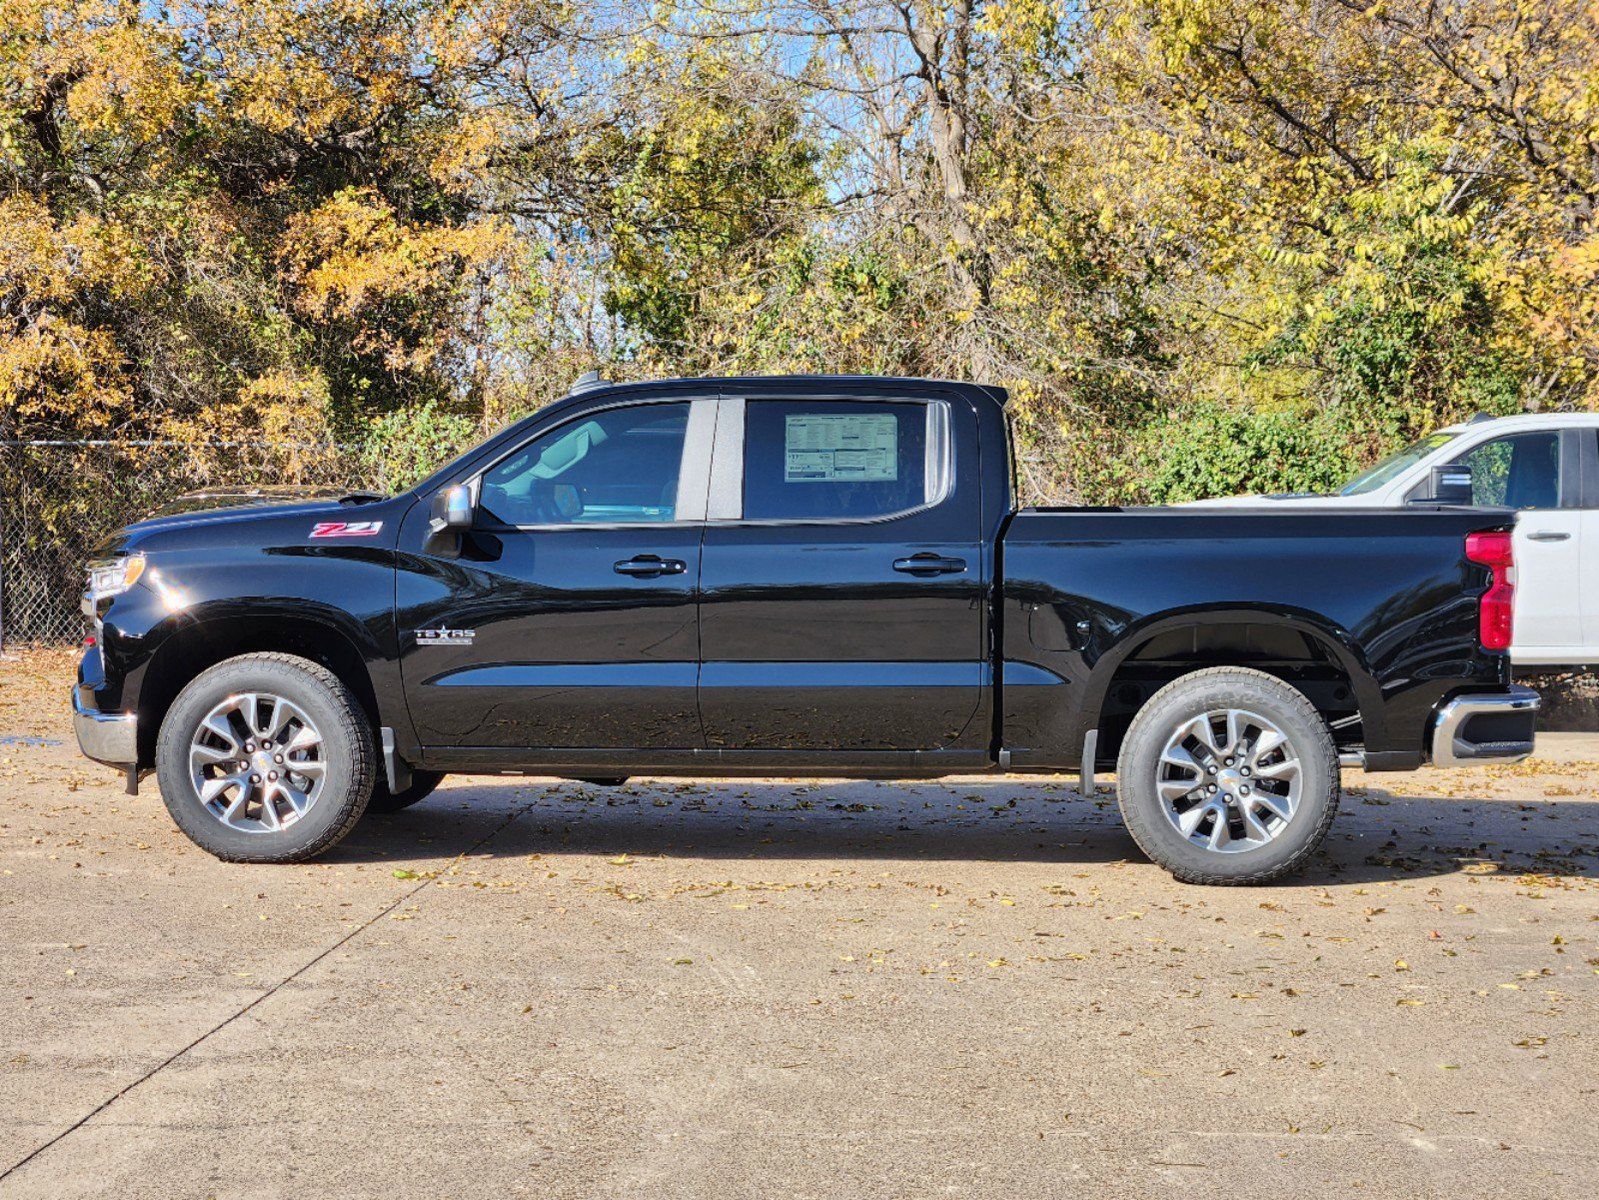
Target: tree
<point>1161,223</point>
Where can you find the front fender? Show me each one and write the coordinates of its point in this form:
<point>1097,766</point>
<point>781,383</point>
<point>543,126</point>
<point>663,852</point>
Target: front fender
<point>198,604</point>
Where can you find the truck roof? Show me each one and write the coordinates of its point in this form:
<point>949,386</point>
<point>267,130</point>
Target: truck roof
<point>591,382</point>
<point>1543,420</point>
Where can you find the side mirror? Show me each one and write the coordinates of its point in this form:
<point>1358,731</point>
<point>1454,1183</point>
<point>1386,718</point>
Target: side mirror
<point>453,511</point>
<point>1451,484</point>
<point>452,508</point>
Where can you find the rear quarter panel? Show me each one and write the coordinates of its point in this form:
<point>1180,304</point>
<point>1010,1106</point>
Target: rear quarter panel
<point>1389,594</point>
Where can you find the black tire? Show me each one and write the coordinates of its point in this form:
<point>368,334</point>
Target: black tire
<point>385,801</point>
<point>1138,769</point>
<point>347,748</point>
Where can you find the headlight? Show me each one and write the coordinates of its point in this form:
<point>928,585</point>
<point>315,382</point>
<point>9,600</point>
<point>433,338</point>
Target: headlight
<point>113,577</point>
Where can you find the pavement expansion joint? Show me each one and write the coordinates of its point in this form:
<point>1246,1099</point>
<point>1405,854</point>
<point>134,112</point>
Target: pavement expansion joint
<point>266,995</point>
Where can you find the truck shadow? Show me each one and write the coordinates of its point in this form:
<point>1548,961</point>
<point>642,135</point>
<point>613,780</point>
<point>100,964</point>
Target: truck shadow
<point>1378,835</point>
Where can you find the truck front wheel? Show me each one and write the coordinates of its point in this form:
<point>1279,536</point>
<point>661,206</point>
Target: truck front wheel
<point>1228,776</point>
<point>265,758</point>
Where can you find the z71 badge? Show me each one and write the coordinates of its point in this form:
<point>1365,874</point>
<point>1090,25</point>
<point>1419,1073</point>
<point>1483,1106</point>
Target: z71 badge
<point>339,529</point>
<point>445,637</point>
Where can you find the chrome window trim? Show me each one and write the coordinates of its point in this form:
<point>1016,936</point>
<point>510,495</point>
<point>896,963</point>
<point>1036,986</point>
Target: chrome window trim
<point>727,471</point>
<point>696,459</point>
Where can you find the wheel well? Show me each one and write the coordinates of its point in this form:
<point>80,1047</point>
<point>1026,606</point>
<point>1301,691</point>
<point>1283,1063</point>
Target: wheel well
<point>192,650</point>
<point>1298,658</point>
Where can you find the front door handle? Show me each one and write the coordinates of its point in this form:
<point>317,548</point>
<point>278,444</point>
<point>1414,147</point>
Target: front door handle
<point>647,566</point>
<point>929,564</point>
<point>1549,535</point>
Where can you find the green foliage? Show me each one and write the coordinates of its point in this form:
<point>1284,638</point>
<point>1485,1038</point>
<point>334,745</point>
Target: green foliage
<point>404,446</point>
<point>1216,450</point>
<point>1408,332</point>
<point>713,172</point>
<point>1210,245</point>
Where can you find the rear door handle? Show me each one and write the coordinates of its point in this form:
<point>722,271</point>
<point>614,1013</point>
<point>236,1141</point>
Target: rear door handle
<point>646,566</point>
<point>1549,535</point>
<point>929,564</point>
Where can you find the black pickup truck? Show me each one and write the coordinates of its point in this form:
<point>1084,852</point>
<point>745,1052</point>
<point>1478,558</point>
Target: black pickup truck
<point>813,576</point>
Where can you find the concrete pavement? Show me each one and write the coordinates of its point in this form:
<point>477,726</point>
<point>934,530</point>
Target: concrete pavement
<point>971,989</point>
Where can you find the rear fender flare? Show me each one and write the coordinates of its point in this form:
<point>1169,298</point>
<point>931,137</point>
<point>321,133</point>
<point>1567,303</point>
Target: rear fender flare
<point>1336,641</point>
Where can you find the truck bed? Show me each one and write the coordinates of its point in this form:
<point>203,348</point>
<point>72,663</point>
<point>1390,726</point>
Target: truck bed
<point>1373,612</point>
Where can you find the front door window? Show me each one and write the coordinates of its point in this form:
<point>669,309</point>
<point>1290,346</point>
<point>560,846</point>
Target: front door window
<point>617,467</point>
<point>1521,470</point>
<point>572,607</point>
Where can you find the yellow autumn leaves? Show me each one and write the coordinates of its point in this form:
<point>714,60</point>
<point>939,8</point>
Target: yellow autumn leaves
<point>1275,238</point>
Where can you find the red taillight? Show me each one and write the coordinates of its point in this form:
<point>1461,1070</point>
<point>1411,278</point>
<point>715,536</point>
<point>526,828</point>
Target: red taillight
<point>1496,608</point>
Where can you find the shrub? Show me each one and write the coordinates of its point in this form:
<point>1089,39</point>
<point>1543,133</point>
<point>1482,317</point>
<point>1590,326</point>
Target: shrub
<point>403,446</point>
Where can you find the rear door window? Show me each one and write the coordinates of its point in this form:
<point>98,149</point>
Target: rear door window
<point>842,459</point>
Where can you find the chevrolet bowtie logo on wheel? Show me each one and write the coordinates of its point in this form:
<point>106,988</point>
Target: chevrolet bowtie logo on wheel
<point>445,637</point>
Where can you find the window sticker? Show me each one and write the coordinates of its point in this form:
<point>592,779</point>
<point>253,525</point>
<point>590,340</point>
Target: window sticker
<point>840,448</point>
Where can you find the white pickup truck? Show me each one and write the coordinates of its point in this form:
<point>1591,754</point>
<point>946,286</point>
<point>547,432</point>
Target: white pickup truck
<point>1544,464</point>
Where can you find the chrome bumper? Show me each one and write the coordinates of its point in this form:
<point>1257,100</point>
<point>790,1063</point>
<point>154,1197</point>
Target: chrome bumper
<point>1496,727</point>
<point>110,738</point>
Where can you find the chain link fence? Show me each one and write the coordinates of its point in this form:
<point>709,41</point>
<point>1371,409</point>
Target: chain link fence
<point>60,502</point>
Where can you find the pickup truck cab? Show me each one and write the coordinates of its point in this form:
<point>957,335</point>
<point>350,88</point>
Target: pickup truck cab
<point>811,576</point>
<point>1545,466</point>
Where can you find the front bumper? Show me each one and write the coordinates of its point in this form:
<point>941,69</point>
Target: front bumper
<point>1485,727</point>
<point>109,738</point>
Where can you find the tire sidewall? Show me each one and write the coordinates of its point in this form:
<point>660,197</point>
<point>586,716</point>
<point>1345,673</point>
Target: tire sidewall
<point>328,711</point>
<point>1144,811</point>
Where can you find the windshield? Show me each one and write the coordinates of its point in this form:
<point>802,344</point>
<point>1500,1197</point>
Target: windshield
<point>1395,464</point>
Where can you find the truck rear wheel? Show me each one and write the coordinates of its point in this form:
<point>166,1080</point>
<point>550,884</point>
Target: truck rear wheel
<point>1228,776</point>
<point>265,758</point>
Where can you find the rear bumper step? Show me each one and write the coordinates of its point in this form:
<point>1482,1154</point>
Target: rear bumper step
<point>1486,727</point>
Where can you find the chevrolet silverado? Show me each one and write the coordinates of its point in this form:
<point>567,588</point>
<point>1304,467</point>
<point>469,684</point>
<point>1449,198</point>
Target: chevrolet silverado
<point>802,576</point>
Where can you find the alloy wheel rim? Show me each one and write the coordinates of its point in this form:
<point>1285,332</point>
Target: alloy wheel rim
<point>257,762</point>
<point>1229,780</point>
